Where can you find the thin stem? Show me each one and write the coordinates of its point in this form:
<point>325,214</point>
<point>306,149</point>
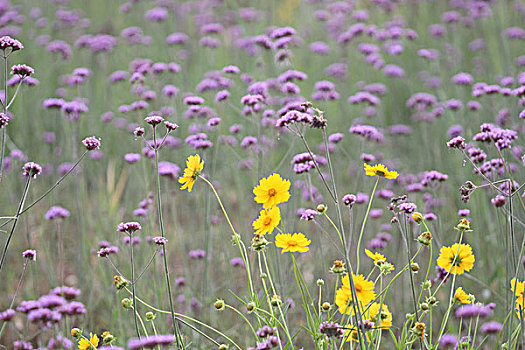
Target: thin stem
<point>18,212</point>
<point>244,318</point>
<point>133,285</point>
<point>364,223</point>
<point>176,330</point>
<point>14,296</point>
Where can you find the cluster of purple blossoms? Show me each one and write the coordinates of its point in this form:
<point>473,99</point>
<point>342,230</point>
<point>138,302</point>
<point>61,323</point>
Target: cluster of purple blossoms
<point>6,42</point>
<point>325,91</point>
<point>457,142</point>
<point>502,138</point>
<point>380,241</point>
<point>128,227</point>
<point>432,177</point>
<point>307,214</point>
<point>303,162</point>
<point>293,117</point>
<point>474,310</point>
<point>4,120</point>
<point>160,240</point>
<point>91,143</point>
<point>22,70</point>
<point>56,212</point>
<point>364,96</point>
<point>32,169</point>
<point>269,341</point>
<point>367,132</point>
<point>151,341</point>
<point>331,329</point>
<point>196,254</point>
<point>29,254</point>
<point>407,208</point>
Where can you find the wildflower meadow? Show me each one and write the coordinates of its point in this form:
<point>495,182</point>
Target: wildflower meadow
<point>272,174</point>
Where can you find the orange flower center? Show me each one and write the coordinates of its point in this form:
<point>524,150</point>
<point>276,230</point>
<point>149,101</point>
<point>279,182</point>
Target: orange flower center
<point>292,243</point>
<point>267,221</point>
<point>358,288</point>
<point>272,192</point>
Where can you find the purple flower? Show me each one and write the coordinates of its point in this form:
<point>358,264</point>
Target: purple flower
<point>7,315</point>
<point>56,212</point>
<point>22,70</point>
<point>160,240</point>
<point>128,227</point>
<point>8,42</point>
<point>308,214</point>
<point>91,143</point>
<point>407,208</point>
<point>197,254</point>
<point>4,120</point>
<point>237,261</point>
<point>154,120</point>
<point>132,157</point>
<point>448,341</point>
<point>151,341</point>
<point>498,201</point>
<point>491,327</point>
<point>331,329</point>
<point>457,142</point>
<point>32,169</point>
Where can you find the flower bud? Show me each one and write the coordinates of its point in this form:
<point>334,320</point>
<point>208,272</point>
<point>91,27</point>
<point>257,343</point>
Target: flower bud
<point>276,300</point>
<point>263,275</point>
<point>127,303</point>
<point>219,304</point>
<point>236,239</point>
<point>417,217</point>
<point>338,267</point>
<point>321,208</point>
<point>326,306</point>
<point>120,282</point>
<point>414,267</point>
<point>250,306</point>
<point>320,282</point>
<point>432,300</point>
<point>464,225</point>
<point>259,243</point>
<point>76,333</point>
<point>107,337</point>
<point>426,285</point>
<point>424,306</point>
<point>223,347</point>
<point>150,316</point>
<point>425,238</point>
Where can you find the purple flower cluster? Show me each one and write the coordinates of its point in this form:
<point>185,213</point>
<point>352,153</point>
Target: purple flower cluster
<point>56,212</point>
<point>151,341</point>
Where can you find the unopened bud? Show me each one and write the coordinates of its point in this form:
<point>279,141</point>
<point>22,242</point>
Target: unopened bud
<point>219,304</point>
<point>127,303</point>
<point>417,217</point>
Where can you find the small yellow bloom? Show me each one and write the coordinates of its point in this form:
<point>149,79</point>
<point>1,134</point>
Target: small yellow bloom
<point>194,166</point>
<point>84,344</point>
<point>378,258</point>
<point>364,291</point>
<point>464,261</point>
<point>380,170</point>
<point>519,285</point>
<point>267,221</point>
<point>383,319</point>
<point>292,243</point>
<point>461,296</point>
<point>272,191</point>
<point>354,336</point>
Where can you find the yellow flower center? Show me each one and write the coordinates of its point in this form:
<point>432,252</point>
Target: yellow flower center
<point>267,221</point>
<point>272,192</point>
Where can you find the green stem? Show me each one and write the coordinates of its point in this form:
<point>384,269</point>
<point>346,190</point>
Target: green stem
<point>364,223</point>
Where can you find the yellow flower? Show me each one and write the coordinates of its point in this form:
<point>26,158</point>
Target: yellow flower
<point>364,291</point>
<point>194,166</point>
<point>379,259</point>
<point>272,191</point>
<point>292,243</point>
<point>381,319</point>
<point>354,336</point>
<point>520,310</point>
<point>457,264</point>
<point>267,221</point>
<point>84,344</point>
<point>461,296</point>
<point>519,287</point>
<point>380,170</point>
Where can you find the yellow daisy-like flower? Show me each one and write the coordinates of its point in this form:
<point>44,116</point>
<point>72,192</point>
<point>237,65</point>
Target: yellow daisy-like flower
<point>519,287</point>
<point>380,170</point>
<point>364,290</point>
<point>379,260</point>
<point>292,243</point>
<point>267,221</point>
<point>464,261</point>
<point>84,344</point>
<point>381,319</point>
<point>194,166</point>
<point>272,191</point>
<point>461,296</point>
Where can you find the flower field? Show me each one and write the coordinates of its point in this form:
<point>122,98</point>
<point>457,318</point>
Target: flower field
<point>219,174</point>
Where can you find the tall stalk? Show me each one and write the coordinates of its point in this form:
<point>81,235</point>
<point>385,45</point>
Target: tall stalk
<point>176,330</point>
